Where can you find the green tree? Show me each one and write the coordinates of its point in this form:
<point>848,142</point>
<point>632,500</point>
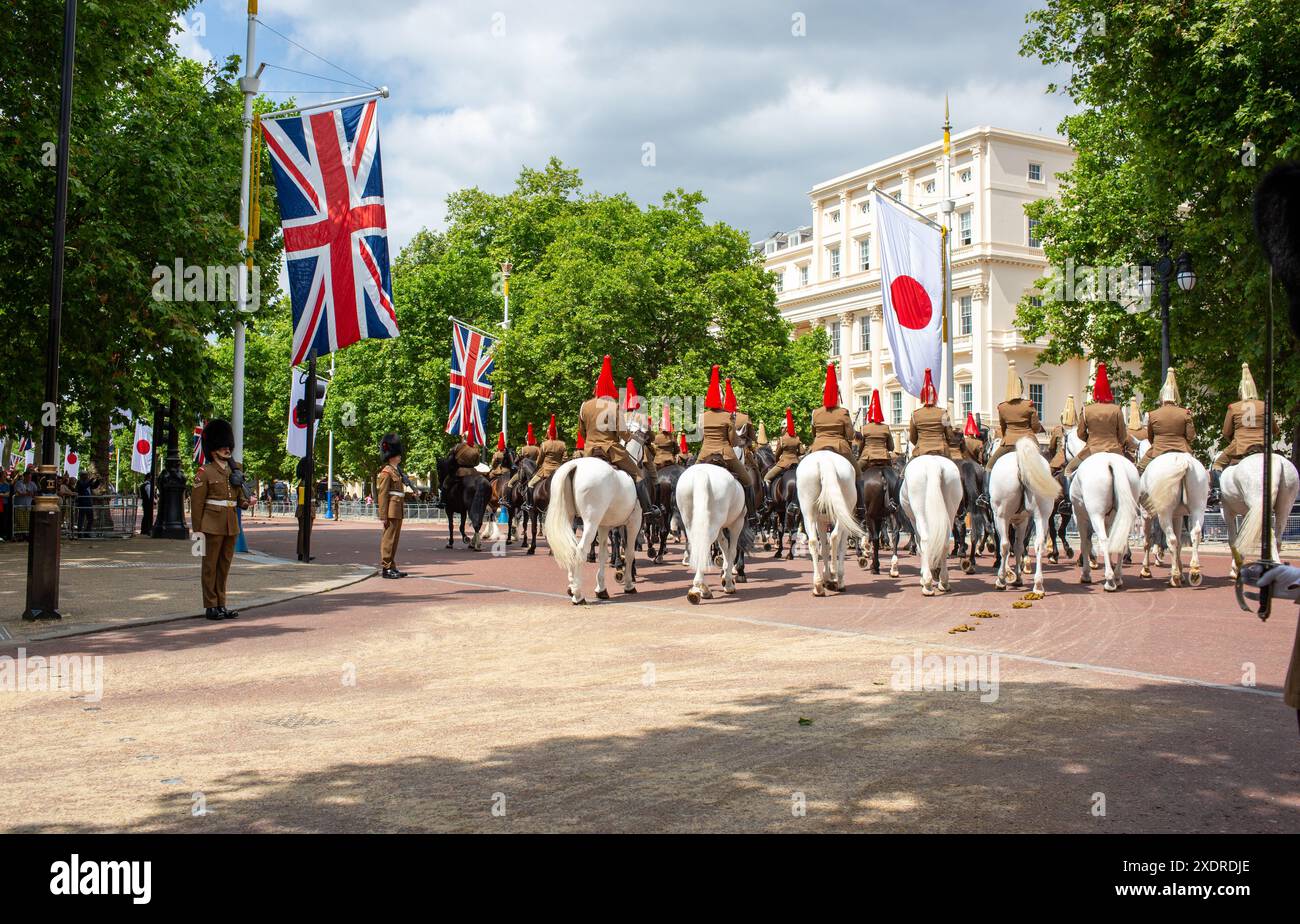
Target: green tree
<point>1183,108</point>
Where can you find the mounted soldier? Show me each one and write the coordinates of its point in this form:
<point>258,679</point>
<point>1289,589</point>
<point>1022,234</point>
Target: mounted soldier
<point>1137,433</point>
<point>551,457</point>
<point>531,451</point>
<point>720,439</point>
<point>600,437</point>
<point>500,464</point>
<point>1056,444</point>
<point>877,438</point>
<point>789,450</point>
<point>1017,417</point>
<point>1243,430</point>
<point>956,438</point>
<point>1102,427</point>
<point>637,427</point>
<point>930,432</point>
<point>832,424</point>
<point>1169,427</point>
<point>683,452</point>
<point>664,446</point>
<point>972,446</point>
<point>465,458</point>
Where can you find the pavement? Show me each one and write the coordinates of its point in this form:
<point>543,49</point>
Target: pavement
<point>473,697</point>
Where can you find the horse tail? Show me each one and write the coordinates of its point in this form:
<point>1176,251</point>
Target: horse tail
<point>1252,524</point>
<point>935,512</point>
<point>831,502</point>
<point>1035,473</point>
<point>699,539</point>
<point>559,517</point>
<point>1125,511</point>
<point>1163,494</point>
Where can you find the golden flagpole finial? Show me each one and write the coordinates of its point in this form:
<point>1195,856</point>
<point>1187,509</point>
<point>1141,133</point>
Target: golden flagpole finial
<point>947,126</point>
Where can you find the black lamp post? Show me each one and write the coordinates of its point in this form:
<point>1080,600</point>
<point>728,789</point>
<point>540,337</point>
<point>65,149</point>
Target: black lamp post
<point>43,553</point>
<point>1164,271</point>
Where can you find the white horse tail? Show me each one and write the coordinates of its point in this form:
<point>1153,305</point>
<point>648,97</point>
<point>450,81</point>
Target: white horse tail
<point>699,538</point>
<point>1125,510</point>
<point>1034,470</point>
<point>1252,524</point>
<point>934,511</point>
<point>1164,493</point>
<point>559,517</point>
<point>831,503</point>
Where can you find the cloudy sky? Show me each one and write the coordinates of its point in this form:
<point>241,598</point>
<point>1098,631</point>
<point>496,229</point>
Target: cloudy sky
<point>734,100</point>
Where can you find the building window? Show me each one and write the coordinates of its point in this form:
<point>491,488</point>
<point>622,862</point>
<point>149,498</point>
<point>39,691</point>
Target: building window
<point>834,330</point>
<point>964,313</point>
<point>1036,301</point>
<point>1036,396</point>
<point>896,407</point>
<point>966,392</point>
<point>964,176</point>
<point>835,263</point>
<point>803,275</point>
<point>864,333</point>
<point>780,281</point>
<point>929,186</point>
<point>864,254</point>
<point>864,402</point>
<point>963,228</point>
<point>1033,233</point>
<point>835,217</point>
<point>1035,173</point>
<point>865,205</point>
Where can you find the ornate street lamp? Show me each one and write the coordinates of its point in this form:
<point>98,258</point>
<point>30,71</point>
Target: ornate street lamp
<point>1164,271</point>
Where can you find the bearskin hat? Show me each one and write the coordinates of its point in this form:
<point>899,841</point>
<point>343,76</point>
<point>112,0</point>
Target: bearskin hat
<point>1277,223</point>
<point>390,446</point>
<point>217,434</point>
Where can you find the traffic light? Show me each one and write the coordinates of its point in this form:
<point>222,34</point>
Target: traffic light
<point>301,412</point>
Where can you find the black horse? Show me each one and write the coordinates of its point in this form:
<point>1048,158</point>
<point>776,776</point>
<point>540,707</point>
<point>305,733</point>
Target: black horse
<point>877,486</point>
<point>974,516</point>
<point>468,496</point>
<point>663,494</point>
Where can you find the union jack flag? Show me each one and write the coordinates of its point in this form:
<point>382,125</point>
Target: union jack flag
<point>25,443</point>
<point>471,381</point>
<point>331,195</point>
<point>198,443</point>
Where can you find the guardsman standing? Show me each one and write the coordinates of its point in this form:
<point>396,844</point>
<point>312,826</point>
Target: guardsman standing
<point>599,435</point>
<point>720,439</point>
<point>1102,427</point>
<point>972,447</point>
<point>789,449</point>
<point>1056,444</point>
<point>1017,416</point>
<point>1170,426</point>
<point>217,493</point>
<point>390,502</point>
<point>552,453</point>
<point>832,425</point>
<point>877,439</point>
<point>1243,430</point>
<point>930,429</point>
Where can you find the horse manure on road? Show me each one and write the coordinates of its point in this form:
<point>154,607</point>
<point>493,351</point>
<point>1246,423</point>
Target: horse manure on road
<point>985,614</point>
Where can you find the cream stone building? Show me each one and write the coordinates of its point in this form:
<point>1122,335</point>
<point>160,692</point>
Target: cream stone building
<point>828,271</point>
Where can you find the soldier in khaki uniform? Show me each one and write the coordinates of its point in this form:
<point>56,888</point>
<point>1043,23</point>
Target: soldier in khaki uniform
<point>1243,430</point>
<point>930,432</point>
<point>529,450</point>
<point>1102,427</point>
<point>1056,444</point>
<point>719,444</point>
<point>683,452</point>
<point>832,426</point>
<point>552,453</point>
<point>972,447</point>
<point>664,446</point>
<point>956,439</point>
<point>877,439</point>
<point>1136,431</point>
<point>633,411</point>
<point>1170,426</point>
<point>500,463</point>
<point>390,502</point>
<point>467,457</point>
<point>1017,417</point>
<point>599,435</point>
<point>789,450</point>
<point>216,495</point>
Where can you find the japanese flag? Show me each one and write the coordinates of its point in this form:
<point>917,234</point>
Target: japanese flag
<point>71,463</point>
<point>142,451</point>
<point>911,288</point>
<point>296,441</point>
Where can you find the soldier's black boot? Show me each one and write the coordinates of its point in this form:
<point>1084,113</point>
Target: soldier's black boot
<point>643,495</point>
<point>213,613</point>
<point>229,614</point>
<point>751,505</point>
<point>528,497</point>
<point>1214,498</point>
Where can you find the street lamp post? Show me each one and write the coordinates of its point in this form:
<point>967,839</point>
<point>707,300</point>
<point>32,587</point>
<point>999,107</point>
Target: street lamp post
<point>43,553</point>
<point>1164,271</point>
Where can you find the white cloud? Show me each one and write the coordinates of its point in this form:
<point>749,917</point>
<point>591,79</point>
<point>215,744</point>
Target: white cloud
<point>188,38</point>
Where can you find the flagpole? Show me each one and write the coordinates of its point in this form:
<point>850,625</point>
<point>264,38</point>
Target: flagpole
<point>377,93</point>
<point>329,483</point>
<point>947,248</point>
<point>248,85</point>
<point>506,267</point>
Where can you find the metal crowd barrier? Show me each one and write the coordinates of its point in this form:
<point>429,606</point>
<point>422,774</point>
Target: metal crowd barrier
<point>101,516</point>
<point>1213,529</point>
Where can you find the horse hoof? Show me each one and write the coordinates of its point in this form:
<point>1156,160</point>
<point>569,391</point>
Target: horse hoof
<point>717,561</point>
<point>1085,579</point>
<point>875,569</point>
<point>693,597</point>
<point>893,572</point>
<point>1194,577</point>
<point>767,546</point>
<point>531,552</point>
<point>602,595</point>
<point>740,578</point>
<point>618,575</point>
<point>862,562</point>
<point>1052,559</point>
<point>927,591</point>
<point>1038,589</point>
<point>832,585</point>
<point>708,593</point>
<point>1175,580</point>
<point>1093,563</point>
<point>1000,584</point>
<point>729,591</point>
<point>789,556</point>
<point>579,601</point>
<point>629,590</point>
<point>1145,572</point>
<point>819,590</point>
<point>967,567</point>
<point>451,545</point>
<point>1110,586</point>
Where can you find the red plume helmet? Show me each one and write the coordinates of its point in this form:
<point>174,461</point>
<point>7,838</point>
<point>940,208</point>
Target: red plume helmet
<point>551,432</point>
<point>469,436</point>
<point>729,401</point>
<point>874,414</point>
<point>971,430</point>
<point>532,439</point>
<point>605,384</point>
<point>666,420</point>
<point>682,444</point>
<point>929,394</point>
<point>581,443</point>
<point>501,441</point>
<point>789,423</point>
<point>633,402</point>
<point>713,400</point>
<point>1101,385</point>
<point>831,390</point>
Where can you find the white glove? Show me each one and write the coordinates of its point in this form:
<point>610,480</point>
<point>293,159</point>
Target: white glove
<point>1283,579</point>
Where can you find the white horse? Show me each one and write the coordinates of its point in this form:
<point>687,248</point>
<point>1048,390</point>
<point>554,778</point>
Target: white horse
<point>605,498</point>
<point>712,505</point>
<point>935,483</point>
<point>1241,491</point>
<point>1174,485</point>
<point>1104,493</point>
<point>827,491</point>
<point>1020,486</point>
